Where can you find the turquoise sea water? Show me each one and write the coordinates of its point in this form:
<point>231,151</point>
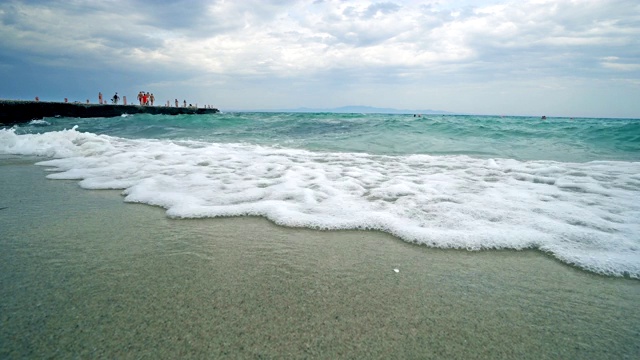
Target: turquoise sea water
<point>520,138</point>
<point>568,187</point>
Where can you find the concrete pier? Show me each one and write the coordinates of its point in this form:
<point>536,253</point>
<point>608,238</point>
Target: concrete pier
<point>16,112</point>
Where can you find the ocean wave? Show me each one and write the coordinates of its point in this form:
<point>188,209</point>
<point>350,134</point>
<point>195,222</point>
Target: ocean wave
<point>585,214</point>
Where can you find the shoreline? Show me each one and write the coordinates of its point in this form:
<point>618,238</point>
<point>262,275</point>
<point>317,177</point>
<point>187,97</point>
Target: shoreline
<point>18,111</point>
<point>83,274</point>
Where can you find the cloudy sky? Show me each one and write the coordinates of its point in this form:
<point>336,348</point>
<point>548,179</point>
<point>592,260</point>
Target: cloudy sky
<point>524,57</point>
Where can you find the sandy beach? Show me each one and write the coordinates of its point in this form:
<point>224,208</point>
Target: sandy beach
<point>85,275</point>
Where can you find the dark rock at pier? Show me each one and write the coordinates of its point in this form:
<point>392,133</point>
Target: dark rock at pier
<point>15,112</point>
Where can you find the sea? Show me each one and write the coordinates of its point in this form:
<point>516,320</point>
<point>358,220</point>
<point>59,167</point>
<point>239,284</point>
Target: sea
<point>567,187</point>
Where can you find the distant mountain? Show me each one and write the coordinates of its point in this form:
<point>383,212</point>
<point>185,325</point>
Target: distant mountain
<point>359,110</point>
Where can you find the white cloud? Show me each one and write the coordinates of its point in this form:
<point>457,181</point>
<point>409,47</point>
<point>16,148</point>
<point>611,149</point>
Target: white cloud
<point>386,43</point>
<point>244,36</point>
<point>621,66</point>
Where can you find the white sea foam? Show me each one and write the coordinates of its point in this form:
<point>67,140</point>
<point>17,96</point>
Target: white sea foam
<point>39,122</point>
<point>586,214</point>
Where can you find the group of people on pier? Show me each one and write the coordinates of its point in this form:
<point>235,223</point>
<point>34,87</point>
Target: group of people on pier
<point>144,98</point>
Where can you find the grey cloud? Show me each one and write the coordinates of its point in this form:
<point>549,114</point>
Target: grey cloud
<point>333,42</point>
<point>193,18</point>
<point>185,17</point>
<point>383,8</point>
<point>371,10</point>
<point>563,40</point>
<point>172,15</point>
<point>9,15</point>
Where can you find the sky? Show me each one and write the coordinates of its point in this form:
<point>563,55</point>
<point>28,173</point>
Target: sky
<point>577,58</point>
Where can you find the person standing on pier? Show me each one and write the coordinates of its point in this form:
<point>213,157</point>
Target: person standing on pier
<point>116,98</point>
<point>152,98</point>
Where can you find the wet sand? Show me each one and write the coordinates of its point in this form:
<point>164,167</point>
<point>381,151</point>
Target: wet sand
<point>83,274</point>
